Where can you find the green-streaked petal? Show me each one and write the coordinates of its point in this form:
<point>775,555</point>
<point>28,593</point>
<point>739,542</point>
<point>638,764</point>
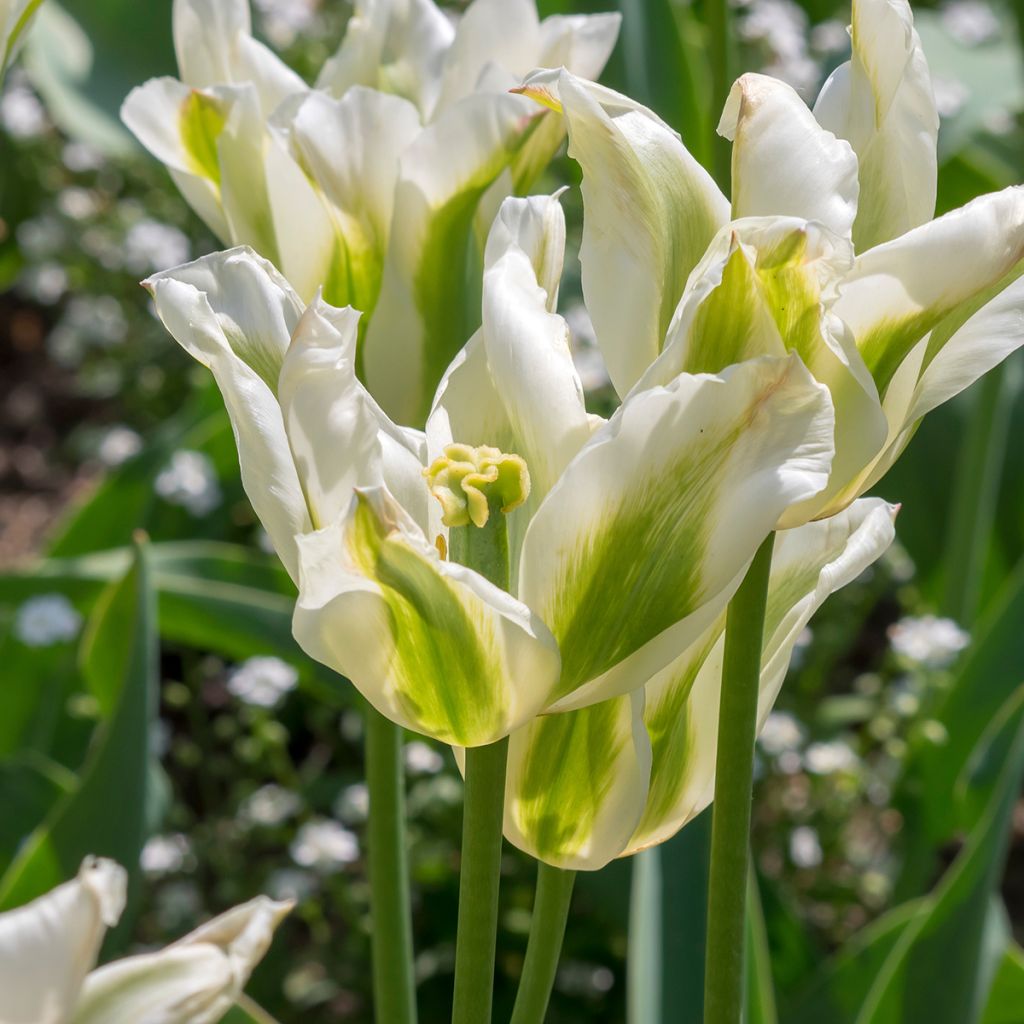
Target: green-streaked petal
<point>582,43</point>
<point>181,127</point>
<point>350,150</point>
<point>899,292</point>
<point>48,946</point>
<point>396,46</point>
<point>426,311</point>
<point>637,547</point>
<point>577,783</point>
<point>783,162</point>
<point>681,711</point>
<point>881,101</point>
<point>765,287</point>
<point>650,211</point>
<point>194,981</point>
<point>338,435</point>
<point>234,313</point>
<point>214,46</point>
<point>431,644</point>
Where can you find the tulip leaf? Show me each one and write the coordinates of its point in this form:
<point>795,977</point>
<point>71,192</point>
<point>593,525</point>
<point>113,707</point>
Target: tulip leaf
<point>760,989</point>
<point>887,975</point>
<point>1006,999</point>
<point>29,786</point>
<point>105,814</point>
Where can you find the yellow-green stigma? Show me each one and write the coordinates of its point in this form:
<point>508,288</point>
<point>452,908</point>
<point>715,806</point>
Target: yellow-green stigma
<point>468,481</point>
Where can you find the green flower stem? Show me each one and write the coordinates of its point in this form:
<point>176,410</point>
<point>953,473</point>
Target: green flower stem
<point>719,20</point>
<point>547,929</point>
<point>734,773</point>
<point>394,988</point>
<point>478,883</point>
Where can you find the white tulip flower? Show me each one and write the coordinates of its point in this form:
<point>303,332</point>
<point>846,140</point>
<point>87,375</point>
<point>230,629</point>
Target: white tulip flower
<point>826,248</point>
<point>411,123</point>
<point>587,554</point>
<point>48,950</point>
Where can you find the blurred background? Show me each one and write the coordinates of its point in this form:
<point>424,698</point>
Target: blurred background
<point>252,760</point>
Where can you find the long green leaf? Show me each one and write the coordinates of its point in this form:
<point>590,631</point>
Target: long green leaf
<point>106,814</point>
<point>1006,1000</point>
<point>760,987</point>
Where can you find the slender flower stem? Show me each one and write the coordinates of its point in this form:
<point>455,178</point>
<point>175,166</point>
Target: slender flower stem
<point>719,20</point>
<point>734,773</point>
<point>254,1010</point>
<point>478,883</point>
<point>547,929</point>
<point>394,988</point>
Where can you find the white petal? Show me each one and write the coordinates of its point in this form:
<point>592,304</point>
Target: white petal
<point>500,34</point>
<point>431,644</point>
<point>350,148</point>
<point>577,783</point>
<point>681,713</point>
<point>650,211</point>
<point>643,537</point>
<point>339,437</point>
<point>881,101</point>
<point>423,317</point>
<point>235,313</point>
<point>194,981</point>
<point>900,291</point>
<point>48,946</point>
<point>397,46</point>
<point>580,42</point>
<point>783,162</point>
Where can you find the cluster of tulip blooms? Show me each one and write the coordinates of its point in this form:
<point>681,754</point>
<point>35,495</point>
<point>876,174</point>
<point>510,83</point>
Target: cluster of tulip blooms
<point>480,555</point>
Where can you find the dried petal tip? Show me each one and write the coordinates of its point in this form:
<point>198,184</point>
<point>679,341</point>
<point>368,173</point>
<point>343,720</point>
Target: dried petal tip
<point>468,481</point>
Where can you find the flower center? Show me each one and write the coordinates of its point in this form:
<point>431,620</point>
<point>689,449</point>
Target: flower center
<point>468,481</point>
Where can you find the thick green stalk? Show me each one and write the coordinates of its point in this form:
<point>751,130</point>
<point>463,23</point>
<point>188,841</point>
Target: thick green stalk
<point>394,988</point>
<point>478,883</point>
<point>719,18</point>
<point>645,956</point>
<point>547,929</point>
<point>734,773</point>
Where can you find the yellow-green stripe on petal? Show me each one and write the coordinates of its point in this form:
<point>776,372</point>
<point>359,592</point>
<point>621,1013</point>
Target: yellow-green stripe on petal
<point>202,118</point>
<point>681,711</point>
<point>576,783</point>
<point>652,521</point>
<point>431,644</point>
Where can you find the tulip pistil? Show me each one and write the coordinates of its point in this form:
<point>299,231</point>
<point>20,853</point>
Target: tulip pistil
<point>469,481</point>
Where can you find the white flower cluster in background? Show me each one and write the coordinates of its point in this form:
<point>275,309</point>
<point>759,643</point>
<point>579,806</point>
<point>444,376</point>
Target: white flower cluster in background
<point>119,444</point>
<point>971,22</point>
<point>929,641</point>
<point>151,245</point>
<point>189,480</point>
<point>263,681</point>
<point>166,855</point>
<point>780,27</point>
<point>270,805</point>
<point>324,845</point>
<point>46,620</point>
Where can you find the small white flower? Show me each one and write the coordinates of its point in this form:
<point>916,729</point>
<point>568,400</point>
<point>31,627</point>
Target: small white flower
<point>805,847</point>
<point>283,20</point>
<point>78,203</point>
<point>81,157</point>
<point>830,36</point>
<point>324,845</point>
<point>781,732</point>
<point>422,759</point>
<point>353,803</point>
<point>970,22</point>
<point>45,282</point>
<point>119,444</point>
<point>951,95</point>
<point>21,113</point>
<point>152,245</point>
<point>189,480</point>
<point>291,884</point>
<point>270,805</point>
<point>163,855</point>
<point>830,757</point>
<point>263,680</point>
<point>929,640</point>
<point>46,620</point>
